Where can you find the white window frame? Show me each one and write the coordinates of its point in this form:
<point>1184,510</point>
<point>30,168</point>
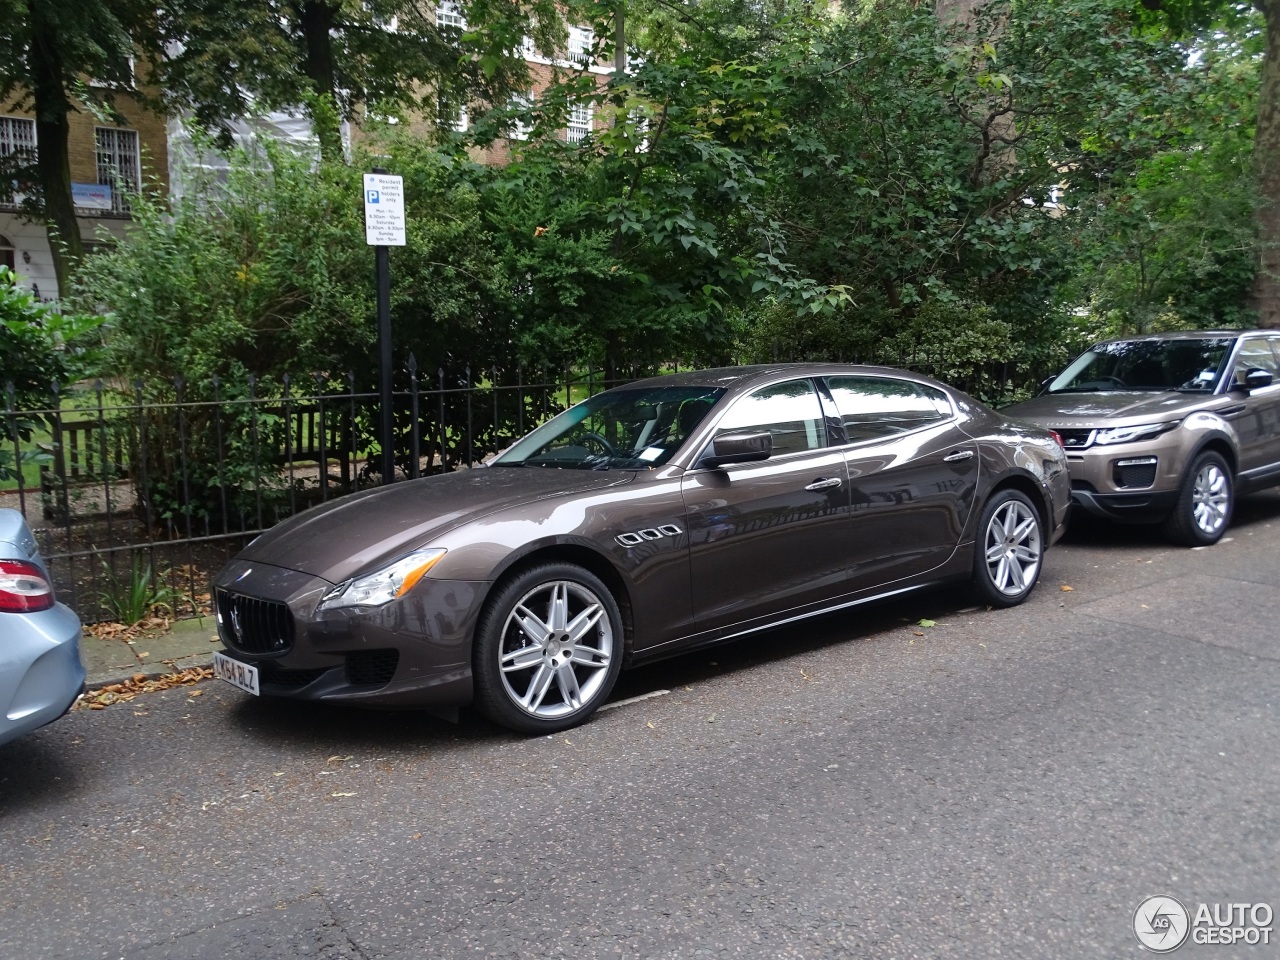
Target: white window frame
<point>12,140</point>
<point>581,39</point>
<point>449,14</point>
<point>119,161</point>
<point>581,118</point>
<point>521,130</point>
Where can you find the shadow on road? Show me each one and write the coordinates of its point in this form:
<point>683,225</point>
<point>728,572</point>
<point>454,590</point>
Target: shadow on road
<point>1086,530</point>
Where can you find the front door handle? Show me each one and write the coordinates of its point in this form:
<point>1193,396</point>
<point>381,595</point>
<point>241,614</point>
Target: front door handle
<point>824,483</point>
<point>957,456</point>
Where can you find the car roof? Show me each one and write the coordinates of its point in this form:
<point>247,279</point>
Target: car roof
<point>1193,335</point>
<point>730,377</point>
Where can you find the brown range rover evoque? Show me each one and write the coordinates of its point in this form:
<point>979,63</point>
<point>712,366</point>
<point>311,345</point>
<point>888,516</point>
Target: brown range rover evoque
<point>646,521</point>
<point>1166,428</point>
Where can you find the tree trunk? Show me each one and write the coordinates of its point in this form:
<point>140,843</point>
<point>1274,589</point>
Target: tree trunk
<point>53,166</point>
<point>1265,297</point>
<point>317,23</point>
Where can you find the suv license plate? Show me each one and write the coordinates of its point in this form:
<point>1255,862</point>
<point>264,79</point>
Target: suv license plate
<point>242,675</point>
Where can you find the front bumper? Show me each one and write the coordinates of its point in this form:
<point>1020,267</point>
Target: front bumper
<point>41,674</point>
<point>412,652</point>
<point>1133,482</point>
<point>1125,507</point>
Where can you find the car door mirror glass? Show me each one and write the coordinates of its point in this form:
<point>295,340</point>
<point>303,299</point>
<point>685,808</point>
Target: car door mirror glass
<point>739,448</point>
<point>1255,379</point>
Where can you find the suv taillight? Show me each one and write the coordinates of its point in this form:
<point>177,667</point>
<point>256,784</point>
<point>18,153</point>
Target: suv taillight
<point>23,588</point>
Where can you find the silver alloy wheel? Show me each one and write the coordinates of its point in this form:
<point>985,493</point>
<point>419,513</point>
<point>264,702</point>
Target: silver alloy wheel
<point>1210,499</point>
<point>556,647</point>
<point>1013,548</point>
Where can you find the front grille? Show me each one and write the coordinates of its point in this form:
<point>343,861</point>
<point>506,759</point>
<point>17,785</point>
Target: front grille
<point>277,676</point>
<point>253,625</point>
<point>1075,439</point>
<point>372,667</point>
<point>1136,473</point>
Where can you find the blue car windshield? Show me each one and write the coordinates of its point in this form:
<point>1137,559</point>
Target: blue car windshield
<point>624,428</point>
<point>1192,365</point>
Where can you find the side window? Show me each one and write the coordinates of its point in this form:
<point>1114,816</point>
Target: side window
<point>789,411</point>
<point>1256,354</point>
<point>875,407</point>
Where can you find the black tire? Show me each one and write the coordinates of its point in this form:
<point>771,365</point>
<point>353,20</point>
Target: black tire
<point>556,675</point>
<point>1206,500</point>
<point>1009,552</point>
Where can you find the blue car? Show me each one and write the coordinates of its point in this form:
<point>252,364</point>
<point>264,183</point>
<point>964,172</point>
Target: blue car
<point>41,675</point>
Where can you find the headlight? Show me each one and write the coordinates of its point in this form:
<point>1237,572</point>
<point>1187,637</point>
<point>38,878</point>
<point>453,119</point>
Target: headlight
<point>1145,431</point>
<point>382,586</point>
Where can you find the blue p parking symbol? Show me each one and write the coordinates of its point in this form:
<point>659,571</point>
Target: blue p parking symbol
<point>371,196</point>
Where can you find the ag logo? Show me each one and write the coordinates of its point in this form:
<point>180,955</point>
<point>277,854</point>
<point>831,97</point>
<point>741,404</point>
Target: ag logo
<point>1161,924</point>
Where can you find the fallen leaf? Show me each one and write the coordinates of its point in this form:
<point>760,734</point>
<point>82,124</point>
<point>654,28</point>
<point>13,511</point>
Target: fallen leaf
<point>650,725</point>
<point>711,719</point>
<point>337,759</point>
<point>195,693</point>
<point>919,633</point>
<point>1065,589</point>
<point>927,623</point>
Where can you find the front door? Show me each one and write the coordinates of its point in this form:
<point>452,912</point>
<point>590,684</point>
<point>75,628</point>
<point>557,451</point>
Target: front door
<point>1258,423</point>
<point>771,535</point>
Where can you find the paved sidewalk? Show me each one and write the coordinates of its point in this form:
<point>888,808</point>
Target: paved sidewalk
<point>190,643</point>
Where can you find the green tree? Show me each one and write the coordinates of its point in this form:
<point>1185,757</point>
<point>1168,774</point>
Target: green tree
<point>55,54</point>
<point>346,59</point>
<point>1183,19</point>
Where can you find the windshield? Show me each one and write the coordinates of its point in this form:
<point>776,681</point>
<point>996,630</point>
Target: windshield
<point>1191,365</point>
<point>625,428</point>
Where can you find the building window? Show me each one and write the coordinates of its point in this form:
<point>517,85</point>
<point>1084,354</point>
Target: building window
<point>6,253</point>
<point>17,146</point>
<point>17,136</point>
<point>580,43</point>
<point>451,115</point>
<point>449,14</point>
<point>520,127</point>
<point>118,164</point>
<point>579,122</point>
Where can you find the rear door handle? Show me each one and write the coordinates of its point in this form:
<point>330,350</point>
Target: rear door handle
<point>957,456</point>
<point>824,483</point>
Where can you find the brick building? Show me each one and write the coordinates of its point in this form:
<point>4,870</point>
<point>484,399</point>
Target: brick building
<point>129,151</point>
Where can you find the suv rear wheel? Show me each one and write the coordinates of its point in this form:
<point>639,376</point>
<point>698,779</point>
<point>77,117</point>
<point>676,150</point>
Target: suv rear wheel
<point>1205,500</point>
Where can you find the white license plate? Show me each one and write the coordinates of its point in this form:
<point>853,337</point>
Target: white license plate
<point>242,675</point>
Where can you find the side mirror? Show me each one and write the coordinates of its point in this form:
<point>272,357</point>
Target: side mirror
<point>738,448</point>
<point>1255,379</point>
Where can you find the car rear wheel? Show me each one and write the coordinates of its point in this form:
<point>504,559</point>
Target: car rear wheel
<point>548,649</point>
<point>1205,501</point>
<point>1010,549</point>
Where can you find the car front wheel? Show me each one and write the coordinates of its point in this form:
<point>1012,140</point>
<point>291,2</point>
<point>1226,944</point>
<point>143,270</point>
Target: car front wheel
<point>1010,549</point>
<point>1205,500</point>
<point>548,649</point>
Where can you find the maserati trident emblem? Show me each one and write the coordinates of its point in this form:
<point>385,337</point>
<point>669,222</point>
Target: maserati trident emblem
<point>236,630</point>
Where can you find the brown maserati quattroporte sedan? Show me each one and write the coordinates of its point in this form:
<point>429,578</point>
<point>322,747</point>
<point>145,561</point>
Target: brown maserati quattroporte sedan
<point>647,521</point>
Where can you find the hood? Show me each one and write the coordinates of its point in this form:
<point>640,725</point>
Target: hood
<point>1112,408</point>
<point>339,539</point>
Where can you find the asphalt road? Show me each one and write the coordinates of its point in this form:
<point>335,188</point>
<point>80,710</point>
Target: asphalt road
<point>1001,784</point>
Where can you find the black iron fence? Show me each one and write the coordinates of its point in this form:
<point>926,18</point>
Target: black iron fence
<point>139,492</point>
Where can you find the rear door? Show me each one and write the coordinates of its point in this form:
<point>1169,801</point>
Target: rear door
<point>912,476</point>
<point>771,535</point>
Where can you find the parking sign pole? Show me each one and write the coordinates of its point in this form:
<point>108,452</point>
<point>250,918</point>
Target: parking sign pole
<point>384,227</point>
<point>382,267</point>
